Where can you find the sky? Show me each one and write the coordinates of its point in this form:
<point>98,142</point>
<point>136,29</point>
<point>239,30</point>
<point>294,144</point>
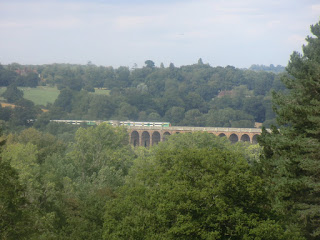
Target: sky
<point>128,32</point>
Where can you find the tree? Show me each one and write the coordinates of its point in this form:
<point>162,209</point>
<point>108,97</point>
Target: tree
<point>154,117</point>
<point>5,113</point>
<point>72,80</point>
<point>30,80</point>
<point>102,157</point>
<point>191,187</point>
<point>46,143</point>
<point>101,107</point>
<point>7,77</point>
<point>291,155</point>
<point>89,88</point>
<point>149,63</point>
<point>15,214</point>
<point>12,94</point>
<point>23,158</point>
<point>193,117</point>
<point>175,115</point>
<point>24,112</point>
<point>122,77</point>
<point>228,118</point>
<point>64,100</point>
<point>194,101</point>
<point>254,106</point>
<point>100,150</point>
<point>126,112</point>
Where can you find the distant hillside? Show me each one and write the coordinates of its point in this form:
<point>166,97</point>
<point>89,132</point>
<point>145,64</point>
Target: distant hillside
<point>271,68</point>
<point>191,95</point>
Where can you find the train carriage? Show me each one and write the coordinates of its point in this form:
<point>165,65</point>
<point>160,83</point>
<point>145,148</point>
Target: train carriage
<point>115,123</point>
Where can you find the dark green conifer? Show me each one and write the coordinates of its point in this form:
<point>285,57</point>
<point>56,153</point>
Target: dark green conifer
<point>291,160</point>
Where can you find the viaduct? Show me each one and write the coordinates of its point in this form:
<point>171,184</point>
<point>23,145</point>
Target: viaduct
<point>150,135</point>
<point>147,134</point>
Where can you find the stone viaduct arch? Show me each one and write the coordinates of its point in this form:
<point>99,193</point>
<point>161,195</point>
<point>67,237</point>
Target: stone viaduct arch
<point>149,136</point>
<point>145,139</point>
<point>156,138</point>
<point>135,138</point>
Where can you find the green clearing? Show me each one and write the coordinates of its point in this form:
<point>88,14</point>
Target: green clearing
<point>101,91</point>
<point>42,95</point>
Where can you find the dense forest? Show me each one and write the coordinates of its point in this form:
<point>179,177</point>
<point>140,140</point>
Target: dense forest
<point>193,95</point>
<point>61,181</point>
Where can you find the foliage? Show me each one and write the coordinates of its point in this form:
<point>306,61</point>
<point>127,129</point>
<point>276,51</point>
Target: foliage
<point>24,111</point>
<point>12,94</point>
<point>31,79</point>
<point>102,148</point>
<point>98,162</point>
<point>291,154</point>
<point>151,93</point>
<point>15,211</point>
<point>149,63</point>
<point>64,187</point>
<point>270,68</point>
<point>7,77</point>
<point>191,187</point>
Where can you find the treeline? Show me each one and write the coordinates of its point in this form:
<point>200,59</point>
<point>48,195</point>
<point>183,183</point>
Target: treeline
<point>270,68</point>
<point>194,95</point>
<point>19,75</point>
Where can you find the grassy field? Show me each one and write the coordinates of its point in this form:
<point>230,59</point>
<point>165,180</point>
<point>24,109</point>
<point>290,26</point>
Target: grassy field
<point>44,94</point>
<point>101,91</point>
<point>40,95</point>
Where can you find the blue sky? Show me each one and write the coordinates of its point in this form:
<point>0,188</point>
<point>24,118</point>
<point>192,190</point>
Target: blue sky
<point>123,32</point>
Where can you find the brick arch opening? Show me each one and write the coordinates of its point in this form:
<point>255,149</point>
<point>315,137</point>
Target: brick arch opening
<point>234,138</point>
<point>165,136</point>
<point>245,138</point>
<point>255,139</point>
<point>145,139</point>
<point>135,138</point>
<point>155,138</point>
<point>222,135</point>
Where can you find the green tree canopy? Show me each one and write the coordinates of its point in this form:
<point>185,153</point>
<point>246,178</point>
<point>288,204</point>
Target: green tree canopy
<point>149,63</point>
<point>291,155</point>
<point>15,211</point>
<point>191,187</point>
<point>12,94</point>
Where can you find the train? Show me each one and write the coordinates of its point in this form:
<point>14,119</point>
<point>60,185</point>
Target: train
<point>115,123</point>
<point>139,124</point>
<point>78,122</point>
